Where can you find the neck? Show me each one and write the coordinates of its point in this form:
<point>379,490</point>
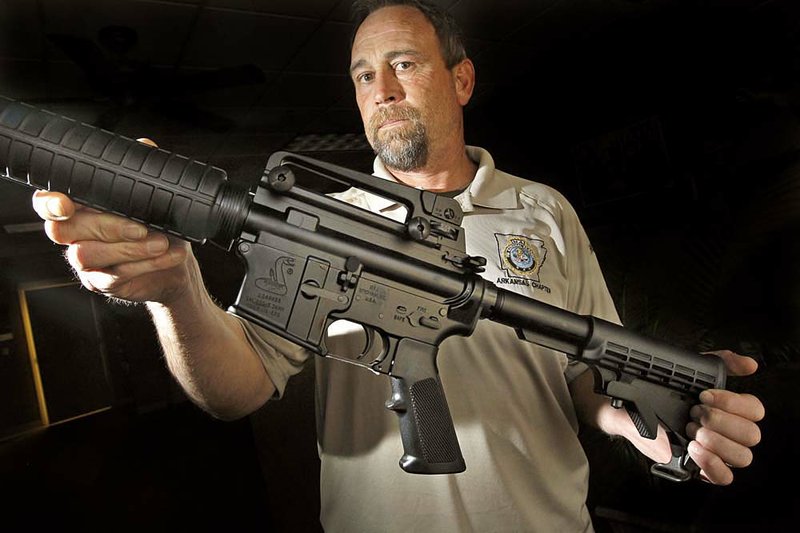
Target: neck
<point>447,172</point>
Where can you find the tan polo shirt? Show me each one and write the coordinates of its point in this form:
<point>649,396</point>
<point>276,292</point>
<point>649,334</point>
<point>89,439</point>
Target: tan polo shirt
<point>514,418</point>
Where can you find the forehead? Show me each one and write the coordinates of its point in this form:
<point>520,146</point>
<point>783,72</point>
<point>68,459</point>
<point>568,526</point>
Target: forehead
<point>390,27</point>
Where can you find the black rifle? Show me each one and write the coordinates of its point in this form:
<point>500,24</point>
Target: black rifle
<point>312,260</point>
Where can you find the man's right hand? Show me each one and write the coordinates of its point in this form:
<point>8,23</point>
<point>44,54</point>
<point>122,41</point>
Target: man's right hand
<point>206,349</point>
<point>115,256</point>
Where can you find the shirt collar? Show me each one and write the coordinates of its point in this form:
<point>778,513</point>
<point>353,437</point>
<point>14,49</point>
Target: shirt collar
<point>489,188</point>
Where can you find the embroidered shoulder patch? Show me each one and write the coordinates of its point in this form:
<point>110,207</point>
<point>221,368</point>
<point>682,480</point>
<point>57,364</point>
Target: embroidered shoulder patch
<point>521,256</point>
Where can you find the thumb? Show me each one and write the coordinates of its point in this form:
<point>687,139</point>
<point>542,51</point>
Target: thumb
<point>147,141</point>
<point>52,205</point>
<point>737,365</point>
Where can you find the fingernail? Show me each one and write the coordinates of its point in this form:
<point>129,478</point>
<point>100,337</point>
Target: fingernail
<point>707,396</point>
<point>157,244</point>
<point>134,232</point>
<point>176,255</point>
<point>694,447</point>
<point>54,208</point>
<point>696,412</point>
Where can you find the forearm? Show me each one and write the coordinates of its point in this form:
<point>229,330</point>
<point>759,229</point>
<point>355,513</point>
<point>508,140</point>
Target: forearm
<point>205,348</point>
<point>591,407</point>
<point>207,352</point>
<point>596,411</point>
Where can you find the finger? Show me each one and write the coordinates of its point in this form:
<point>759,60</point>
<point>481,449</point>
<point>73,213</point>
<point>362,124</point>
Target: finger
<point>739,429</point>
<point>52,205</point>
<point>95,255</point>
<point>732,453</point>
<point>743,405</point>
<point>737,365</point>
<point>712,468</point>
<point>139,289</point>
<point>147,141</point>
<point>173,257</point>
<point>90,225</point>
<point>135,279</point>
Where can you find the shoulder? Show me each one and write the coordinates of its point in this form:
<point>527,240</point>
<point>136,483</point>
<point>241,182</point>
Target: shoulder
<point>491,180</point>
<point>534,194</point>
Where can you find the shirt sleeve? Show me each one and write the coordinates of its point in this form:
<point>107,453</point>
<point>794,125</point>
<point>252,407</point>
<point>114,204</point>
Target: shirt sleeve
<point>588,293</point>
<point>281,359</point>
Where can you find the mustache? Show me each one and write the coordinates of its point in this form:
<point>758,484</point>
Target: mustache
<point>386,114</point>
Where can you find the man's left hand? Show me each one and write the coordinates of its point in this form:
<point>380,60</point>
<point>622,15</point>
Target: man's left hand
<point>723,426</point>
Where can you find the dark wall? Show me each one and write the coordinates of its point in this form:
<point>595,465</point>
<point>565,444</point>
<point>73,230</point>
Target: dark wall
<point>677,141</point>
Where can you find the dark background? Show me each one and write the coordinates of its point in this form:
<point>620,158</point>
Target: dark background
<point>671,125</point>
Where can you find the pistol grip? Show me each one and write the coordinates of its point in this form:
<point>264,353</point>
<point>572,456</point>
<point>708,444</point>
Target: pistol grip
<point>429,439</point>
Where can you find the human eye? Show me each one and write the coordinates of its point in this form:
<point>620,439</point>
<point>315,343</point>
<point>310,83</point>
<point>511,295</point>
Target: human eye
<point>365,77</point>
<point>403,66</point>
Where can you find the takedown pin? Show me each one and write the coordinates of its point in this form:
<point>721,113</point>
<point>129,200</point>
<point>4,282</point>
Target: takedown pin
<point>310,290</point>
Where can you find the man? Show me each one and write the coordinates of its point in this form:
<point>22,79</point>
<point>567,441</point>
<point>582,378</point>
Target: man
<point>512,403</point>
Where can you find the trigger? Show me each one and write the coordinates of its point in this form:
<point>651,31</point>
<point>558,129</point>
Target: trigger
<point>376,349</point>
<point>369,344</point>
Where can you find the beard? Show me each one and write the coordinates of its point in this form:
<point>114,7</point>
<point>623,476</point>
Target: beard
<point>405,147</point>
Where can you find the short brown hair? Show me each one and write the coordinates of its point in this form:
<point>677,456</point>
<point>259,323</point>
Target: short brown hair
<point>451,40</point>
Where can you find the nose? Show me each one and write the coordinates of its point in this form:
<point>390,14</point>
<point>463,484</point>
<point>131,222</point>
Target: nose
<point>387,88</point>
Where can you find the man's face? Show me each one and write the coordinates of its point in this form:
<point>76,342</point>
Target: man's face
<point>404,90</point>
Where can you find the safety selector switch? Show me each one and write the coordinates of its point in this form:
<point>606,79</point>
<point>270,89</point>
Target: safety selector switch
<point>430,322</point>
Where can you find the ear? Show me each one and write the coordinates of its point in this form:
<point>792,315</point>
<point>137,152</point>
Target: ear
<point>464,79</point>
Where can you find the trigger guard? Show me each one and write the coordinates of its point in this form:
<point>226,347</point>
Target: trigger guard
<point>376,360</point>
<point>370,334</point>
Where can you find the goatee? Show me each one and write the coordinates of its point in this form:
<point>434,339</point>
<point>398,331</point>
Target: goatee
<point>403,147</point>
